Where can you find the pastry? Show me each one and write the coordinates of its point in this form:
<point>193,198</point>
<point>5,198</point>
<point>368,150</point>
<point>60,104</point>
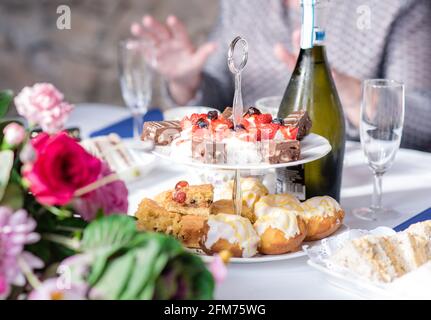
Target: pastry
<point>300,120</point>
<point>385,258</point>
<point>252,190</point>
<point>191,230</point>
<point>212,138</point>
<point>161,132</point>
<point>323,216</point>
<point>226,206</point>
<point>280,231</point>
<point>230,232</point>
<point>268,202</point>
<point>152,217</point>
<point>187,199</point>
<point>112,150</point>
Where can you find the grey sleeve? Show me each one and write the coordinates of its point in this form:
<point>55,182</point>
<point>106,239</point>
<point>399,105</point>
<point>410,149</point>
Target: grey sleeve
<point>407,59</point>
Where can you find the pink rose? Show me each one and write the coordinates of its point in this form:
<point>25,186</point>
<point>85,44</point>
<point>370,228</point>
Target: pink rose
<point>43,105</point>
<point>111,198</point>
<point>14,134</point>
<point>61,167</point>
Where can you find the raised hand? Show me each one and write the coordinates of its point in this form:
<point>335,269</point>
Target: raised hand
<point>177,59</point>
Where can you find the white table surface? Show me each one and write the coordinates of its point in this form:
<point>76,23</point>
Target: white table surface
<point>407,188</point>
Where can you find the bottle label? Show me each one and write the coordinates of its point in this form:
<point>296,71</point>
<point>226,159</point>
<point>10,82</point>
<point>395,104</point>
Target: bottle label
<point>291,180</point>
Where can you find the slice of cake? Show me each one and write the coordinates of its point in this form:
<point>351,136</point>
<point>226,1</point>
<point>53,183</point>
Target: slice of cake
<point>191,230</point>
<point>153,217</point>
<point>195,200</point>
<point>366,257</point>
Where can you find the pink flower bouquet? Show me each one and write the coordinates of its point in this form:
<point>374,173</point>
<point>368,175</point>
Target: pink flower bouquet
<point>61,205</point>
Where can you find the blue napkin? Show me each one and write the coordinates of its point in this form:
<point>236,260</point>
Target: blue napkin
<point>426,215</point>
<point>124,128</point>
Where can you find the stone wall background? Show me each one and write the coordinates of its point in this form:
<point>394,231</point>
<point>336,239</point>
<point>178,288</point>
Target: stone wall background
<point>82,62</point>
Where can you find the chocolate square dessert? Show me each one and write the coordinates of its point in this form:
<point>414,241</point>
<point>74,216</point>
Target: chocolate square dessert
<point>275,152</point>
<point>301,120</point>
<point>161,132</point>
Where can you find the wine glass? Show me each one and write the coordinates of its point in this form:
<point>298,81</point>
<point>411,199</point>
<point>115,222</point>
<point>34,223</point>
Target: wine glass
<point>381,126</point>
<point>136,61</point>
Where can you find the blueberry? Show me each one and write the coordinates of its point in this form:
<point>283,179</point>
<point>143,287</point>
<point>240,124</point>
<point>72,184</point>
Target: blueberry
<point>213,115</point>
<point>252,110</point>
<point>278,121</point>
<point>202,123</point>
<point>239,127</point>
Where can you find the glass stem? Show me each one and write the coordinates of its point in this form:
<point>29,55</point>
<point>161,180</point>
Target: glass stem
<point>377,194</point>
<point>137,125</point>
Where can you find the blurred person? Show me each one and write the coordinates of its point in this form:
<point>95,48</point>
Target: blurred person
<point>365,39</point>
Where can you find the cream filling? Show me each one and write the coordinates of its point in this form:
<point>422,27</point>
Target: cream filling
<point>278,218</point>
<point>235,230</point>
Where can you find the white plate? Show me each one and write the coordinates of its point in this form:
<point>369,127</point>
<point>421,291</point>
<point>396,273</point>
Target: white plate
<point>178,113</point>
<point>313,147</point>
<point>267,258</point>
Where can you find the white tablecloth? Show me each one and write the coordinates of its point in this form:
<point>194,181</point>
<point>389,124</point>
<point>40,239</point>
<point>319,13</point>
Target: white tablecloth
<point>407,188</point>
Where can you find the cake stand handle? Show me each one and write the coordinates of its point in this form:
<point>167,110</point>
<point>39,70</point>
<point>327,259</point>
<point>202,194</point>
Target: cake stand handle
<point>237,193</point>
<point>236,69</point>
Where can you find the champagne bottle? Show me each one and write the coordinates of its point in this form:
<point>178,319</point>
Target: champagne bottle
<point>311,87</point>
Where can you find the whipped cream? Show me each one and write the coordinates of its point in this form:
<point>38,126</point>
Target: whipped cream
<point>320,206</point>
<point>234,229</point>
<point>278,218</point>
<point>239,151</point>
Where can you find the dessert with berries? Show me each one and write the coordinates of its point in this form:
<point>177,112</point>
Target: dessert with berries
<point>187,199</point>
<point>212,137</point>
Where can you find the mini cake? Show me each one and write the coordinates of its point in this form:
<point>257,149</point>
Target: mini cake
<point>268,202</point>
<point>323,216</point>
<point>385,258</point>
<point>161,132</point>
<point>252,190</point>
<point>191,230</point>
<point>152,217</point>
<point>186,199</point>
<point>230,232</point>
<point>226,206</point>
<point>300,120</point>
<point>280,231</point>
<point>212,138</point>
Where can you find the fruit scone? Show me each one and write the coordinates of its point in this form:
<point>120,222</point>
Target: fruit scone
<point>187,199</point>
<point>323,216</point>
<point>186,228</point>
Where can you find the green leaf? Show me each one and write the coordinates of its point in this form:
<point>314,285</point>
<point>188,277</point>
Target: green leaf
<point>6,160</point>
<point>13,197</point>
<point>108,232</point>
<point>6,97</point>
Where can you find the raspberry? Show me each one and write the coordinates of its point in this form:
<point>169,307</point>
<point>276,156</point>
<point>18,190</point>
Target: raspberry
<point>181,184</point>
<point>180,196</point>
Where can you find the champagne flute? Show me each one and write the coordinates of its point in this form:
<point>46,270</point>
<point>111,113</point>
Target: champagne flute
<point>381,126</point>
<point>136,60</point>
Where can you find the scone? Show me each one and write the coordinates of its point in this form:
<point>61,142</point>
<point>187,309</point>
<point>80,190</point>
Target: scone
<point>153,217</point>
<point>252,189</point>
<point>285,200</point>
<point>195,200</point>
<point>280,230</point>
<point>191,230</point>
<point>229,232</point>
<point>226,206</point>
<point>323,216</point>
